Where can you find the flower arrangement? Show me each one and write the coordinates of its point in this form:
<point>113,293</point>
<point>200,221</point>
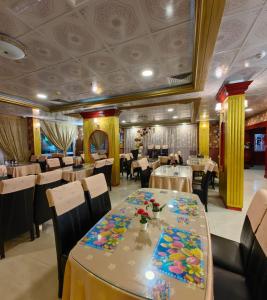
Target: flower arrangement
<point>154,205</point>
<point>144,216</point>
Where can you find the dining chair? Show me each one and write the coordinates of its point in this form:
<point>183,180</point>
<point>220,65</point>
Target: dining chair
<point>53,163</point>
<point>34,158</point>
<point>95,156</point>
<point>157,151</point>
<point>100,167</point>
<point>164,160</point>
<point>16,208</point>
<point>97,196</point>
<point>67,161</point>
<point>128,164</point>
<point>232,255</point>
<point>145,177</point>
<point>180,158</point>
<point>202,192</point>
<point>252,284</point>
<point>42,162</point>
<point>150,149</point>
<point>41,210</point>
<point>122,163</point>
<point>135,154</point>
<point>165,150</point>
<point>108,171</point>
<point>71,220</point>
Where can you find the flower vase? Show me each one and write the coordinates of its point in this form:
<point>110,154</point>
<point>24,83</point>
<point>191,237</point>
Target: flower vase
<point>156,214</point>
<point>143,226</point>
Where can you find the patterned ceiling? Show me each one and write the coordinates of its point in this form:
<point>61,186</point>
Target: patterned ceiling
<point>122,48</point>
<point>107,41</point>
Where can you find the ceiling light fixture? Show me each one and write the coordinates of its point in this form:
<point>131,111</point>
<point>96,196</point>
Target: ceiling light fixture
<point>123,121</point>
<point>246,103</point>
<point>175,117</point>
<point>147,73</point>
<point>11,48</point>
<point>246,64</point>
<point>170,109</point>
<point>248,109</point>
<point>95,88</point>
<point>41,96</point>
<point>218,72</point>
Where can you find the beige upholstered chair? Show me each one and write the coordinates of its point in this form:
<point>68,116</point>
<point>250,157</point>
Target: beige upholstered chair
<point>68,160</point>
<point>53,163</point>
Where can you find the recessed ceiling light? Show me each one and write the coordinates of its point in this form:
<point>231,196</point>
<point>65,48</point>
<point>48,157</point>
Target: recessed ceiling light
<point>157,125</point>
<point>147,73</point>
<point>123,121</point>
<point>248,109</point>
<point>175,117</point>
<point>95,88</point>
<point>170,109</point>
<point>218,72</point>
<point>41,96</point>
<point>246,64</point>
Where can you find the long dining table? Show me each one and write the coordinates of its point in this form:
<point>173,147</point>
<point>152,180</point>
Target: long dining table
<point>23,169</point>
<point>172,177</point>
<point>119,260</point>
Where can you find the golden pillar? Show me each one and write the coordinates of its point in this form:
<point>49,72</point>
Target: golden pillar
<point>107,121</point>
<point>34,136</point>
<point>232,131</point>
<point>204,137</point>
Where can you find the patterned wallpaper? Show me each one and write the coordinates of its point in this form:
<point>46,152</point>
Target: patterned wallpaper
<point>214,135</point>
<point>261,117</point>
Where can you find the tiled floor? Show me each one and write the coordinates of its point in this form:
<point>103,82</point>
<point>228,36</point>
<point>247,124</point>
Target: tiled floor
<point>29,270</point>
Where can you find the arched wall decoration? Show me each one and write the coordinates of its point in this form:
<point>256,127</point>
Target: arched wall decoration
<point>100,142</point>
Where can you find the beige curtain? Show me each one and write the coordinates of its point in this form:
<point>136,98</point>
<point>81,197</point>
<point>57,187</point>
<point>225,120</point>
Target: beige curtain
<point>14,138</point>
<point>60,134</point>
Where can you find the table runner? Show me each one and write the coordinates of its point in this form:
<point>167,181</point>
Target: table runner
<point>24,169</point>
<point>130,270</point>
<point>177,178</point>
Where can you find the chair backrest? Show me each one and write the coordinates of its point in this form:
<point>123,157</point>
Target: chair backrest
<point>44,181</point>
<point>150,147</point>
<point>68,160</point>
<point>34,158</point>
<point>143,163</point>
<point>102,156</point>
<point>157,147</point>
<point>71,217</point>
<point>135,154</point>
<point>128,156</point>
<point>145,176</point>
<point>95,156</point>
<point>256,273</point>
<point>97,195</point>
<point>254,217</point>
<point>53,163</point>
<point>164,160</point>
<point>13,185</point>
<point>57,155</point>
<point>42,158</point>
<point>165,147</point>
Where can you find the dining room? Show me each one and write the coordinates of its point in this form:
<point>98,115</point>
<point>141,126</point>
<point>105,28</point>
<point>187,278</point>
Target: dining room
<point>133,157</point>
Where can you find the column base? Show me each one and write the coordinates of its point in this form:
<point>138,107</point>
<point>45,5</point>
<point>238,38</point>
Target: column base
<point>234,208</point>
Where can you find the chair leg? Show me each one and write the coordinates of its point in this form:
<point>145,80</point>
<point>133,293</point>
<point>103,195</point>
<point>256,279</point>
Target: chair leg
<point>37,230</point>
<point>32,233</point>
<point>2,250</point>
<point>60,287</point>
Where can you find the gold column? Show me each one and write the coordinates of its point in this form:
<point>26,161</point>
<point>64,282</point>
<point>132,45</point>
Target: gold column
<point>232,144</point>
<point>37,137</point>
<point>204,137</point>
<point>110,125</point>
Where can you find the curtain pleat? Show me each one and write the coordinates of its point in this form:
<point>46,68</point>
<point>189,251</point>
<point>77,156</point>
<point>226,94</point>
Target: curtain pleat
<point>14,137</point>
<point>180,137</point>
<point>60,134</point>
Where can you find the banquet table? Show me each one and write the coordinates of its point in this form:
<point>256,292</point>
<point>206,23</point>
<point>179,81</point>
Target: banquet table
<point>25,169</point>
<point>172,259</point>
<point>177,178</point>
<point>72,174</point>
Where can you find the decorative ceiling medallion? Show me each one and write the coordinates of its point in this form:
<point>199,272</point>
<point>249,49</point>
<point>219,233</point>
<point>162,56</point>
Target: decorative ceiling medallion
<point>11,48</point>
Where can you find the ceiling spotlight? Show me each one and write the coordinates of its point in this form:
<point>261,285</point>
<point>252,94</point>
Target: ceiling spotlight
<point>123,121</point>
<point>246,103</point>
<point>218,107</point>
<point>95,88</point>
<point>41,96</point>
<point>246,64</point>
<point>157,125</point>
<point>220,71</point>
<point>147,73</point>
<point>175,117</point>
<point>170,109</point>
<point>248,109</point>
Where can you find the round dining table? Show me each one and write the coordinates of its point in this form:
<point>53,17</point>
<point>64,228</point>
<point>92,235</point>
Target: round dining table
<point>118,259</point>
<point>171,177</point>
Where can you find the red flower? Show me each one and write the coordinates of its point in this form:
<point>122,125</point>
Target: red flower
<point>152,200</point>
<point>145,213</point>
<point>140,211</point>
<point>146,202</point>
<point>156,204</point>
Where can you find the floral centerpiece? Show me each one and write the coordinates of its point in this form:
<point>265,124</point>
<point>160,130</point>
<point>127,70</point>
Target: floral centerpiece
<point>155,206</point>
<point>144,217</point>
